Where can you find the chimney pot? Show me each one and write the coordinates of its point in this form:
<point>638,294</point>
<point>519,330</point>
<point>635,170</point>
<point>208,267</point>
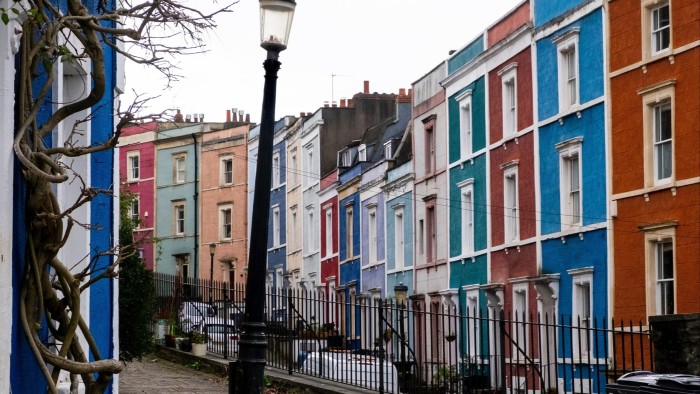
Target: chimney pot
<point>201,117</point>
<point>228,115</point>
<point>188,117</point>
<point>247,118</point>
<point>325,104</point>
<point>402,92</point>
<point>334,104</point>
<point>351,104</point>
<point>366,88</point>
<point>342,103</point>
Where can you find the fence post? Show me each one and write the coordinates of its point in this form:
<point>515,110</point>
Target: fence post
<point>502,350</point>
<point>290,342</point>
<point>378,303</point>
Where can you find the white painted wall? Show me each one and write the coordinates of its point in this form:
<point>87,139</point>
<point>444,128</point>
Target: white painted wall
<point>9,44</point>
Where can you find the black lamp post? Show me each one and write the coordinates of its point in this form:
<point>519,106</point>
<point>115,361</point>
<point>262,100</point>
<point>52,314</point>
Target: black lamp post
<point>401,292</point>
<point>275,23</point>
<point>212,249</point>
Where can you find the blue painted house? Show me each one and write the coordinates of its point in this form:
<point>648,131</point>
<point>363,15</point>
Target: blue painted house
<point>277,234</point>
<point>19,371</point>
<point>376,155</point>
<point>571,114</point>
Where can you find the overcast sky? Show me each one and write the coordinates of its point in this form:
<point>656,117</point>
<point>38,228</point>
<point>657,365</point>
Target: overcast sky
<point>390,43</point>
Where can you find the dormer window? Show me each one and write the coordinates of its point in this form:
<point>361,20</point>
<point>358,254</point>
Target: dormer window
<point>344,158</point>
<point>362,153</point>
<point>389,150</point>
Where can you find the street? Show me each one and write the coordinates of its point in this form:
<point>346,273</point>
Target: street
<point>156,375</point>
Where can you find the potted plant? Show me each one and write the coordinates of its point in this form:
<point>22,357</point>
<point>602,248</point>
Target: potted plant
<point>170,340</point>
<point>450,337</point>
<point>199,340</point>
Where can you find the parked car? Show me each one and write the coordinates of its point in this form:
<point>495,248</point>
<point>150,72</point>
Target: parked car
<point>230,310</point>
<point>219,333</point>
<point>193,313</point>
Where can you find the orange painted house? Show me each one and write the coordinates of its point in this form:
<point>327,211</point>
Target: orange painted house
<point>224,208</point>
<point>654,88</point>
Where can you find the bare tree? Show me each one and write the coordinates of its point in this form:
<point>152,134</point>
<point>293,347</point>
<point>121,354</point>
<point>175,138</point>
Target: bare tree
<point>79,36</point>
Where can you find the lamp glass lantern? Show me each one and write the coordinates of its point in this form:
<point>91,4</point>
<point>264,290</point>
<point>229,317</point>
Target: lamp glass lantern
<point>401,292</point>
<point>276,23</point>
<point>212,248</point>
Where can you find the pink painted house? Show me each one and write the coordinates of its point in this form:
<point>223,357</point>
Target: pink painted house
<point>136,173</point>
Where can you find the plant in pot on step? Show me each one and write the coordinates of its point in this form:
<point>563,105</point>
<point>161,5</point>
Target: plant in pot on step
<point>199,340</point>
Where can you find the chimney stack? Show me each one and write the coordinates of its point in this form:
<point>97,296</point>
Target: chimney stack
<point>366,89</point>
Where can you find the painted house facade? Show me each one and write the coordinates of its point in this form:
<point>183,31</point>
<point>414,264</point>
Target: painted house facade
<point>293,226</point>
<point>277,233</point>
<point>223,203</point>
<point>137,176</point>
<point>19,371</point>
<point>178,216</point>
<point>654,70</point>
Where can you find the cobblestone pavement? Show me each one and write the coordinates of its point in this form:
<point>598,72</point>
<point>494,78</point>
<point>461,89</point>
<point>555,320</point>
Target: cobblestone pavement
<point>156,375</point>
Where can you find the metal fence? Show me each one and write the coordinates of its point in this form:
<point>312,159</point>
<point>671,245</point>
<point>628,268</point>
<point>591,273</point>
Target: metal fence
<point>415,348</point>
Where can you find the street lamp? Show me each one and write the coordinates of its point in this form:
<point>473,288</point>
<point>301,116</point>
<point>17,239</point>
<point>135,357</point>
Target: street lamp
<point>401,292</point>
<point>212,249</point>
<point>275,24</point>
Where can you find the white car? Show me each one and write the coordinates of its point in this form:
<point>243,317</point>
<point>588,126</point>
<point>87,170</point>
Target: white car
<point>220,333</point>
<point>193,313</point>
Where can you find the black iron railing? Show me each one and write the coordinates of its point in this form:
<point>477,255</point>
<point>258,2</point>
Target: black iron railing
<point>420,348</point>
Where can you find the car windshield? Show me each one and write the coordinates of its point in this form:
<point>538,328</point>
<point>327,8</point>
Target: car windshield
<point>198,309</point>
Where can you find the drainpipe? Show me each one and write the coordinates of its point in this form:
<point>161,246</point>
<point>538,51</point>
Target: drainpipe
<point>196,208</point>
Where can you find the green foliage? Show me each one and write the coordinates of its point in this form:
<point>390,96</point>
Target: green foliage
<point>198,337</point>
<point>136,293</point>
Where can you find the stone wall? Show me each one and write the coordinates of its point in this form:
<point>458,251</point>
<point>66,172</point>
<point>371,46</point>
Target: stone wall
<point>676,341</point>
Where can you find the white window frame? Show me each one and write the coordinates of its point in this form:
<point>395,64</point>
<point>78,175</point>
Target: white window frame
<point>308,164</point>
<point>276,170</point>
<point>466,123</point>
<point>399,238</point>
<point>222,222</point>
<point>310,231</point>
<point>567,50</point>
<point>179,220</point>
<point>372,233</point>
<point>133,173</point>
<point>467,208</point>
<point>511,204</point>
<point>292,230</point>
<point>226,177</point>
<point>582,310</point>
<point>570,194</point>
<point>349,233</point>
<point>656,236</point>
<point>653,97</point>
<point>509,105</point>
<point>292,167</point>
<point>329,230</point>
<point>362,153</point>
<point>134,211</point>
<point>520,317</point>
<point>472,322</point>
<point>276,226</point>
<point>389,150</point>
<point>654,33</point>
<point>179,168</point>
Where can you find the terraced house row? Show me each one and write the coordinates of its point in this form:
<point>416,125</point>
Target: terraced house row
<point>550,166</point>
